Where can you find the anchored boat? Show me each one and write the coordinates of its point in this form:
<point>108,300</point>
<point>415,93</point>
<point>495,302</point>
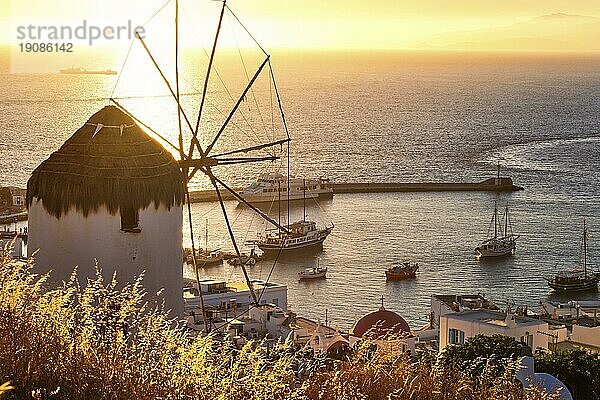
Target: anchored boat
<point>405,270</point>
<point>244,259</point>
<point>313,273</point>
<point>204,257</point>
<point>579,279</point>
<point>301,235</point>
<point>498,246</point>
<point>273,187</point>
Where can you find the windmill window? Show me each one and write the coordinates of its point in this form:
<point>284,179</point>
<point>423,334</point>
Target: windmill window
<point>130,220</point>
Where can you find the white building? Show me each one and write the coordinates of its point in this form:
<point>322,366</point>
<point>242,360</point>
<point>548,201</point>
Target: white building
<point>457,327</point>
<point>113,194</point>
<point>229,295</point>
<point>587,337</point>
<point>14,243</point>
<point>446,304</point>
<point>18,196</point>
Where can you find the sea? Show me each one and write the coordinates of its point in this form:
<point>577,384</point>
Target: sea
<point>374,117</point>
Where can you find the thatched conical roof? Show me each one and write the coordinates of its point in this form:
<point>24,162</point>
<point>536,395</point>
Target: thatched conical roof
<point>109,161</point>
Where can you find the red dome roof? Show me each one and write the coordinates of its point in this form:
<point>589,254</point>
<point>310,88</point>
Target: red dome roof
<point>380,323</point>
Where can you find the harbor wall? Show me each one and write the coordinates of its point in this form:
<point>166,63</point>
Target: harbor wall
<point>488,185</point>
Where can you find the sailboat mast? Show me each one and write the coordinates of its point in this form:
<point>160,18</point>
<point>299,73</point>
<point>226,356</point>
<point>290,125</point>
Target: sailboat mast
<point>506,222</point>
<point>279,201</point>
<point>495,220</point>
<point>206,236</point>
<point>288,182</point>
<point>584,250</point>
<point>304,199</point>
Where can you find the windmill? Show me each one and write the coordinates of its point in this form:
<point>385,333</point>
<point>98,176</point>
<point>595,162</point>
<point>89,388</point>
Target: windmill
<point>194,158</point>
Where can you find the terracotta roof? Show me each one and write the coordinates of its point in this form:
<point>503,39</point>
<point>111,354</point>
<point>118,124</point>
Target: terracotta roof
<point>110,161</point>
<point>379,323</point>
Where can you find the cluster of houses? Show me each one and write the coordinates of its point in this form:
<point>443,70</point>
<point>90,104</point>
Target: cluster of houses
<point>453,319</point>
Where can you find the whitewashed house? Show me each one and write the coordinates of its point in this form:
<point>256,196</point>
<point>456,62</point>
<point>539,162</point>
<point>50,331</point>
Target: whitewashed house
<point>455,328</point>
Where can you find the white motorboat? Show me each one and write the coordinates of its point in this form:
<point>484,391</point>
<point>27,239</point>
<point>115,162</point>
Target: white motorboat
<point>313,273</point>
<point>273,187</point>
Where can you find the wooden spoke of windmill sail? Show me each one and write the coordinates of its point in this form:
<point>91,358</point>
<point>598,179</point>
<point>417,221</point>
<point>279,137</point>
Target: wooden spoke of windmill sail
<point>204,162</point>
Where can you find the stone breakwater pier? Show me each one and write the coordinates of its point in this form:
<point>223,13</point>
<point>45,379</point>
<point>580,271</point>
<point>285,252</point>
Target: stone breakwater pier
<point>503,184</point>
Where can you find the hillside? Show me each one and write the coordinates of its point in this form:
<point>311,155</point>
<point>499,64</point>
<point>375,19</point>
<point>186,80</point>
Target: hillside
<point>553,32</point>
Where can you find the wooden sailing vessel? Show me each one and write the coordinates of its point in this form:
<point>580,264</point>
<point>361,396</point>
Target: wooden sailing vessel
<point>498,246</point>
<point>578,279</point>
<point>297,237</point>
<point>204,256</point>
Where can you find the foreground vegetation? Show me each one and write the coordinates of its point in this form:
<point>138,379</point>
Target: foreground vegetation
<point>99,342</point>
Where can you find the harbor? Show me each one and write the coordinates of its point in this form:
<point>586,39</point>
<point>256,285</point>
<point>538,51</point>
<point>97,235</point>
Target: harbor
<point>214,206</point>
<point>504,184</point>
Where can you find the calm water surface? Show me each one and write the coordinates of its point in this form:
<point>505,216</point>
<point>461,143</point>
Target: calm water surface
<point>392,117</point>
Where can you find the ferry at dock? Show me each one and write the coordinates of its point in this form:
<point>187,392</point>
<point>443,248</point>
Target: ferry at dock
<point>273,187</point>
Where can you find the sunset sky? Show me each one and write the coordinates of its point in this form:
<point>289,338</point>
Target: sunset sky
<point>343,24</point>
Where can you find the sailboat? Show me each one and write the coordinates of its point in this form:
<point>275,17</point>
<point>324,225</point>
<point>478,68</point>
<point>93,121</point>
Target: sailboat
<point>204,256</point>
<point>498,246</point>
<point>579,279</point>
<point>302,235</point>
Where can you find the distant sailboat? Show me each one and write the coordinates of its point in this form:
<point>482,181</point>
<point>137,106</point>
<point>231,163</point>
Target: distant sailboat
<point>578,279</point>
<point>498,246</point>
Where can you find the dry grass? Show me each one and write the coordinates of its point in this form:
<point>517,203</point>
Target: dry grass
<point>99,342</point>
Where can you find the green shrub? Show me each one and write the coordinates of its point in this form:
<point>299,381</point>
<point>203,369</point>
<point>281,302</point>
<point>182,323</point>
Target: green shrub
<point>482,355</point>
<point>577,369</point>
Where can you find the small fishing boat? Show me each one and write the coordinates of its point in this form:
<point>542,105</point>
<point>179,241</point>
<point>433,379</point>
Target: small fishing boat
<point>273,187</point>
<point>579,279</point>
<point>244,259</point>
<point>498,246</point>
<point>204,257</point>
<point>405,270</point>
<point>313,273</point>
